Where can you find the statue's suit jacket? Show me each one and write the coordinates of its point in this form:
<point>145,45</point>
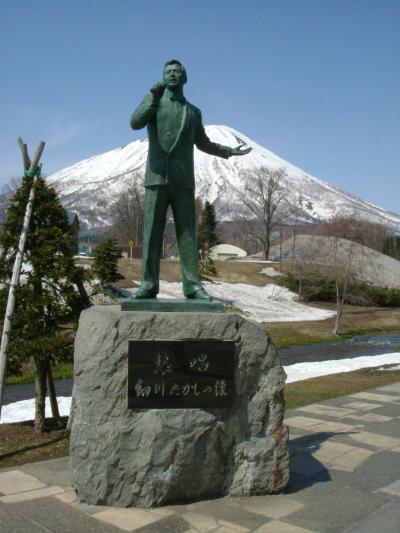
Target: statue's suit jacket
<point>174,166</point>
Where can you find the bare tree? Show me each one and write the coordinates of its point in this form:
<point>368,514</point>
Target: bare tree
<point>347,259</point>
<point>127,213</point>
<point>306,254</point>
<point>265,198</point>
<point>358,230</point>
<point>300,207</point>
<point>343,254</point>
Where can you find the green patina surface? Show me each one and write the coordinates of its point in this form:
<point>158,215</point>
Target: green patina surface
<point>174,127</point>
<point>173,305</point>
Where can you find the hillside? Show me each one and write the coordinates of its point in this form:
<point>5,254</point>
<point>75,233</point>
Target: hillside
<point>366,264</point>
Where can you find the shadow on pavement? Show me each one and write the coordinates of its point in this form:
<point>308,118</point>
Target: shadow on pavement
<point>306,470</point>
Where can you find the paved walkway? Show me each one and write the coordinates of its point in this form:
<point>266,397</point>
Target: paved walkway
<point>345,476</point>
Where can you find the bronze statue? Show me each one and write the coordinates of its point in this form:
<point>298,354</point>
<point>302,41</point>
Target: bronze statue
<point>174,126</point>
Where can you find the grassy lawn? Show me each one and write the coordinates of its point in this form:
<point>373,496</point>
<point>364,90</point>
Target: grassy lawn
<point>60,371</point>
<point>315,390</point>
<point>355,321</point>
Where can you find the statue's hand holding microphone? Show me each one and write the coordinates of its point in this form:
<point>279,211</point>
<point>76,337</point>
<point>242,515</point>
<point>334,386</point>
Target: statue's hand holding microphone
<point>158,90</point>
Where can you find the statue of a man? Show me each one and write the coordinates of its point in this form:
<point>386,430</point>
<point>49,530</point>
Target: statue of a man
<point>174,126</point>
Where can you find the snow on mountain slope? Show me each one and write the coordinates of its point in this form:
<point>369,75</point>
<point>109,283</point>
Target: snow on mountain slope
<point>89,186</point>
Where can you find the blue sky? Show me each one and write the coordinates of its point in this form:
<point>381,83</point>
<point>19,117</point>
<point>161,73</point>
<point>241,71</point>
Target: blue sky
<point>315,81</point>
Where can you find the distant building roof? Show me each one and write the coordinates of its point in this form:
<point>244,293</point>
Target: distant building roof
<point>221,252</point>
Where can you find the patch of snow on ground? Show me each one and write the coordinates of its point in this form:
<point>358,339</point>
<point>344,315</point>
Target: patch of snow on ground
<point>25,410</point>
<point>300,371</point>
<point>270,303</point>
<point>269,271</point>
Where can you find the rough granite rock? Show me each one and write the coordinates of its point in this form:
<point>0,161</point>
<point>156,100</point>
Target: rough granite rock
<point>145,458</point>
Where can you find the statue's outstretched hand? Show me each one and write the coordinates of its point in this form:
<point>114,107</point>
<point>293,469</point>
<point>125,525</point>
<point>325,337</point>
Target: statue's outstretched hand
<point>158,89</point>
<point>240,150</point>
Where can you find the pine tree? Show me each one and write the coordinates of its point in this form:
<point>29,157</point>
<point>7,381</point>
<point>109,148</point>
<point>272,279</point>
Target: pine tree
<point>391,246</point>
<point>106,255</point>
<point>46,296</point>
<point>208,269</point>
<point>207,232</point>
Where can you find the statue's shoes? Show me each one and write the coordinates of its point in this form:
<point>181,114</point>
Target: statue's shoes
<point>200,294</point>
<point>143,293</point>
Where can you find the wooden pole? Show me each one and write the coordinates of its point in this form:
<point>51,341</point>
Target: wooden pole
<point>18,261</point>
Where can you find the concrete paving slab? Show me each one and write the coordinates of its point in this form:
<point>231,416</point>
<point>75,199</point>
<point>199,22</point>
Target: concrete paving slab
<point>13,522</point>
<point>374,439</point>
<point>200,521</point>
<point>363,406</point>
<point>32,495</point>
<point>58,517</point>
<point>326,410</point>
<point>225,529</point>
<point>371,417</point>
<point>389,409</point>
<point>389,428</point>
<point>393,488</point>
<point>230,511</point>
<point>127,519</point>
<point>15,481</point>
<point>356,479</point>
<point>352,460</point>
<point>51,472</point>
<point>339,510</point>
<point>172,524</point>
<point>276,506</point>
<point>276,526</point>
<point>303,422</point>
<point>331,450</point>
<point>232,527</point>
<point>306,465</point>
<point>386,519</point>
<point>308,490</point>
<point>392,387</point>
<point>68,496</point>
<point>336,427</point>
<point>376,397</point>
<point>385,465</point>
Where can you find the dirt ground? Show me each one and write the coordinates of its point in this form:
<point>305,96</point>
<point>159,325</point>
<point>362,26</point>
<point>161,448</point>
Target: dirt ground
<point>19,443</point>
<point>230,272</point>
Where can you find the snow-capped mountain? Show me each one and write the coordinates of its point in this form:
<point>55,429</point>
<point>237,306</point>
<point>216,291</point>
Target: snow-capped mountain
<point>88,187</point>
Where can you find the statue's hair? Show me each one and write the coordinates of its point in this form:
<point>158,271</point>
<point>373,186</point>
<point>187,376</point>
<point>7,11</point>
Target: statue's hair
<point>176,62</point>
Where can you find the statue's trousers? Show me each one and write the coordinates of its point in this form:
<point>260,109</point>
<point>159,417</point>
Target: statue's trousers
<point>156,201</point>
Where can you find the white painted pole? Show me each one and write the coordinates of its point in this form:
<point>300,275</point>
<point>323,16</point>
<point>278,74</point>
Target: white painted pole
<point>17,268</point>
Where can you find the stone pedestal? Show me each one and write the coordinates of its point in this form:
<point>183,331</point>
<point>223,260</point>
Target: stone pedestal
<point>151,457</point>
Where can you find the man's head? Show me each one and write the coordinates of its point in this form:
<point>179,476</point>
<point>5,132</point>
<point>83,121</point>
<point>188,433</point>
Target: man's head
<point>174,74</point>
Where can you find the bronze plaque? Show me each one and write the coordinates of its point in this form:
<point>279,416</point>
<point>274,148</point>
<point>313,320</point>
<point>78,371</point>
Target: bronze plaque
<point>180,374</point>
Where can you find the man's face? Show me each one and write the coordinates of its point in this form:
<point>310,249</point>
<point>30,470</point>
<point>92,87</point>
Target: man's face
<point>173,76</point>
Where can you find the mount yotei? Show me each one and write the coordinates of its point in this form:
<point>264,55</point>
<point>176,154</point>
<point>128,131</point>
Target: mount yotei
<point>90,186</point>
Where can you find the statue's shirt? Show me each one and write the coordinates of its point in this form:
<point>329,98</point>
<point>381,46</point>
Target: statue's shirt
<point>170,114</point>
